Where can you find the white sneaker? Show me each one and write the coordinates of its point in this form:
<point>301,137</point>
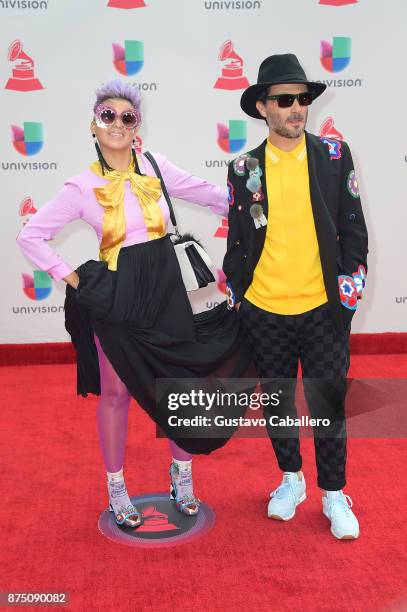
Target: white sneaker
<point>337,507</point>
<point>286,497</point>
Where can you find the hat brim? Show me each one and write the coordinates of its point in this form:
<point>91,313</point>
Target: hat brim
<point>251,95</point>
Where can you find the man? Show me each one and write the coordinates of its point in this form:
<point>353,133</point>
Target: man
<point>296,266</point>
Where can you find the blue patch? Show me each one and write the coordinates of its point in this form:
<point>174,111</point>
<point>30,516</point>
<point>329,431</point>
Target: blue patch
<point>335,147</point>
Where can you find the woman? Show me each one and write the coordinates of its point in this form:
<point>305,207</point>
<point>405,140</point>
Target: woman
<point>131,306</point>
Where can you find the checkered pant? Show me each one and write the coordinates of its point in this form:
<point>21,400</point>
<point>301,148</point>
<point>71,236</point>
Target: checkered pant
<point>278,342</point>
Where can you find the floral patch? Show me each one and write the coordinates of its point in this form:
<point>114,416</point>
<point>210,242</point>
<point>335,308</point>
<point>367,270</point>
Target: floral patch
<point>335,147</point>
<point>352,184</point>
<point>347,292</point>
<point>239,164</point>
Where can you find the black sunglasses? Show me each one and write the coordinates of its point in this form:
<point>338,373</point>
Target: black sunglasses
<point>286,100</point>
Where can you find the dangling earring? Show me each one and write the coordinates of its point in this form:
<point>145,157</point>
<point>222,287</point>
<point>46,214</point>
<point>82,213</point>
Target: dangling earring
<point>102,160</point>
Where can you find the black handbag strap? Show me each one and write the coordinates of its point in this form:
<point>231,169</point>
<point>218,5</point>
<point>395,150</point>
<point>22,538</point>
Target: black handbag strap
<point>164,189</point>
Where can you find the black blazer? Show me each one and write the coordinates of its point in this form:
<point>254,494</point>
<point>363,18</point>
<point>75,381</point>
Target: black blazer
<point>339,223</point>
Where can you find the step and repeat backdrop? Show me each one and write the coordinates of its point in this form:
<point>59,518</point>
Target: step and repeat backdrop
<point>191,60</point>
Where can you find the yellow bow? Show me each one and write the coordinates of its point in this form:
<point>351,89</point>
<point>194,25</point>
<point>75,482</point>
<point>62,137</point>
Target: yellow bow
<point>111,197</point>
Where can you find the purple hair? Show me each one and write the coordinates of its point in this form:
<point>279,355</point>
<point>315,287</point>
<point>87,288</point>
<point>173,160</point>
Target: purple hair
<point>118,89</point>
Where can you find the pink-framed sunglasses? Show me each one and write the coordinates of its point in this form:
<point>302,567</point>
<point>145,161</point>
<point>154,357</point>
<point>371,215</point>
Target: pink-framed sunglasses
<point>105,116</point>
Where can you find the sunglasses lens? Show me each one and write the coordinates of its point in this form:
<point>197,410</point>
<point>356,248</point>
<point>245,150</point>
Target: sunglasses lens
<point>305,99</point>
<point>129,119</point>
<point>285,100</point>
<point>107,116</point>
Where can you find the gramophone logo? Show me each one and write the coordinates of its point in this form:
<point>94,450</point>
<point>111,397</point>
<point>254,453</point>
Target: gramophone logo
<point>23,77</point>
<point>336,56</point>
<point>126,4</point>
<point>29,139</point>
<point>27,209</point>
<point>328,130</point>
<point>37,287</point>
<point>232,137</point>
<point>232,72</point>
<point>221,281</point>
<point>138,144</point>
<point>128,60</point>
<point>337,2</point>
<point>222,231</point>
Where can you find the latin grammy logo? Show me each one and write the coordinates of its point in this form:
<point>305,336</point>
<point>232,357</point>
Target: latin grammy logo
<point>27,207</point>
<point>155,520</point>
<point>337,2</point>
<point>328,130</point>
<point>126,4</point>
<point>138,144</point>
<point>23,78</point>
<point>222,231</point>
<point>232,73</point>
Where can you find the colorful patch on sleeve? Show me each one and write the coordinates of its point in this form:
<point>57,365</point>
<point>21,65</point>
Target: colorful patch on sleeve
<point>231,193</point>
<point>353,185</point>
<point>230,295</point>
<point>347,292</point>
<point>239,164</point>
<point>335,147</point>
<point>359,278</point>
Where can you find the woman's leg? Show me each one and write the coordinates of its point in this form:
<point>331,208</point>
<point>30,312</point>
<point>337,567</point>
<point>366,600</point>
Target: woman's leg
<point>182,490</point>
<point>112,423</point>
<point>112,414</point>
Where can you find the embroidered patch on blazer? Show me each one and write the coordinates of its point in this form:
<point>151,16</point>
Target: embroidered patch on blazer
<point>347,292</point>
<point>359,278</point>
<point>335,147</point>
<point>230,296</point>
<point>231,193</point>
<point>239,164</point>
<point>352,184</point>
<point>258,196</point>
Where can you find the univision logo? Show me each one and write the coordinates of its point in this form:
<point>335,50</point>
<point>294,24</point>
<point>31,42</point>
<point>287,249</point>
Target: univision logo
<point>336,56</point>
<point>128,60</point>
<point>28,140</point>
<point>37,287</point>
<point>245,5</point>
<point>24,4</point>
<point>233,137</point>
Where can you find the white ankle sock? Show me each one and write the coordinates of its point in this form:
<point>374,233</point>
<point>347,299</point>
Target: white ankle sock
<point>118,496</point>
<point>182,472</point>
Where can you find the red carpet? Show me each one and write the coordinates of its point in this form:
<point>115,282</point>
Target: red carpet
<point>55,490</point>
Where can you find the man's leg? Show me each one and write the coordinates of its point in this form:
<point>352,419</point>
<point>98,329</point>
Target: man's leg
<point>325,362</point>
<point>275,351</point>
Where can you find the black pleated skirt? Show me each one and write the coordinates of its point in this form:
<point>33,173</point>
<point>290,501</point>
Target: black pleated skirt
<point>143,319</point>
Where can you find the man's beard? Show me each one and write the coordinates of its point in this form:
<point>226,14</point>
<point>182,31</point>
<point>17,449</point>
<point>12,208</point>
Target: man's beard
<point>279,127</point>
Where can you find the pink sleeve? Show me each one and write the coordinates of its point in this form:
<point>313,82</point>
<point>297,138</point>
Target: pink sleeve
<point>45,224</point>
<point>181,184</point>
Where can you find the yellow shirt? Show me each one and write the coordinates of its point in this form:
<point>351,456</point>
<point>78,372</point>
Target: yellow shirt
<point>288,277</point>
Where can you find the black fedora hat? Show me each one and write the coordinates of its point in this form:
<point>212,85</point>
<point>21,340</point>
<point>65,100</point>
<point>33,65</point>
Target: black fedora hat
<point>275,70</point>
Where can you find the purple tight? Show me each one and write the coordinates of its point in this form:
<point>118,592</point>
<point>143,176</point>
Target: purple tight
<point>112,417</point>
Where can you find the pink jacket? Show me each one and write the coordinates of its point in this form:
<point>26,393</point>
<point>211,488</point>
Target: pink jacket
<point>76,200</point>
